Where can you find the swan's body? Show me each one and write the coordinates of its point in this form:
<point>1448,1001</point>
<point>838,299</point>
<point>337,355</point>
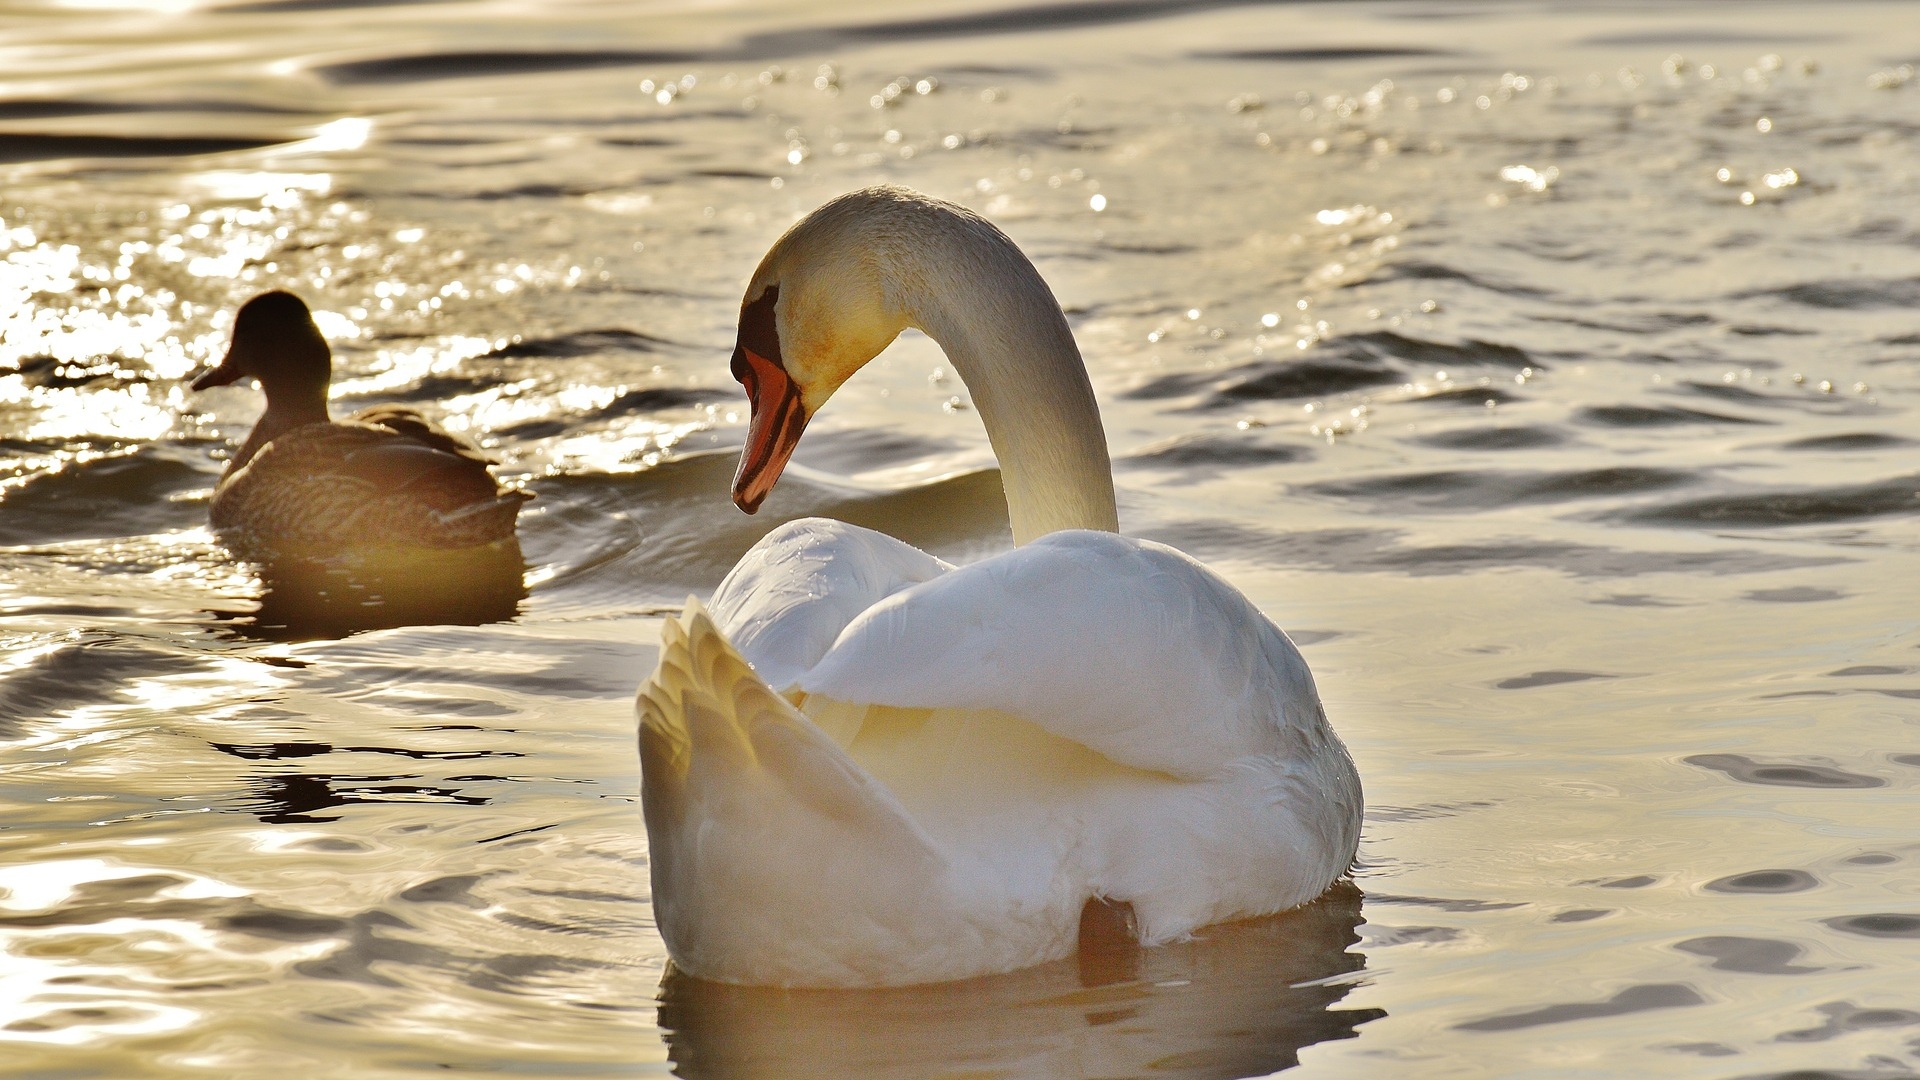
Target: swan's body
<point>308,486</point>
<point>927,772</point>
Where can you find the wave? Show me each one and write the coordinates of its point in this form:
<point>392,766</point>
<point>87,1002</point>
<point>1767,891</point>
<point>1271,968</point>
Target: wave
<point>74,673</point>
<point>1788,506</point>
<point>587,343</point>
<point>1782,774</point>
<point>19,146</point>
<point>1548,678</point>
<point>1272,379</point>
<point>1634,999</point>
<point>265,7</point>
<point>1643,416</point>
<point>1311,55</point>
<point>1636,323</point>
<point>1854,440</point>
<point>1362,551</point>
<point>99,373</point>
<point>1877,925</point>
<point>1025,19</point>
<point>430,389</point>
<point>780,44</point>
<point>1494,438</point>
<point>60,108</point>
<point>123,494</point>
<point>1213,453</point>
<point>1757,330</point>
<point>1417,270</point>
<point>1764,882</point>
<point>1844,295</point>
<point>1465,490</point>
<point>354,946</point>
<point>1472,396</point>
<point>1334,366</point>
<point>1472,352</point>
<point>426,67</point>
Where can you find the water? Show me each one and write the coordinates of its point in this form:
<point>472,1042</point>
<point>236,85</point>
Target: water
<point>1550,373</point>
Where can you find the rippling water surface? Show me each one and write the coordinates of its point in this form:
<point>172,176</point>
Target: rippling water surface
<point>1549,372</point>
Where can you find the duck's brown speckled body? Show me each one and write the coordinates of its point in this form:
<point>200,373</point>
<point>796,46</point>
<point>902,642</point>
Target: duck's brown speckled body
<point>306,485</point>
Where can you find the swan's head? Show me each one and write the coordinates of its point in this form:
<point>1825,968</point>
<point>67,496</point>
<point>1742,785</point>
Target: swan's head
<point>821,305</point>
<point>275,341</point>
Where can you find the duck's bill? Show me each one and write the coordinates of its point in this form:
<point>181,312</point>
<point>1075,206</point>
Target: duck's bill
<point>227,373</point>
<point>778,419</point>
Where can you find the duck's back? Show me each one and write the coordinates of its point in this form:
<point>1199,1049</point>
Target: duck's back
<point>384,479</point>
<point>409,422</point>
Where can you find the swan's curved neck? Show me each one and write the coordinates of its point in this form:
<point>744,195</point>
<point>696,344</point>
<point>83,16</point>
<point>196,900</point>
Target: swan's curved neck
<point>1006,337</point>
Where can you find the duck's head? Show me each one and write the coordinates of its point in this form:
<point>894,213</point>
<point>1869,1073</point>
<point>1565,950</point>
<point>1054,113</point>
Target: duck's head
<point>823,302</point>
<point>275,341</point>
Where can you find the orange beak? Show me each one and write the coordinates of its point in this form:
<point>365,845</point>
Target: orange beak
<point>778,419</point>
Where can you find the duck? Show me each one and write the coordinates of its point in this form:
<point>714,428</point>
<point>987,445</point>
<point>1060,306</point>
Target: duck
<point>862,766</point>
<point>306,485</point>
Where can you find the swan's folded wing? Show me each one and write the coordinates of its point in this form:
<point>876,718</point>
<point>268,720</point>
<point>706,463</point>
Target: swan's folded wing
<point>774,856</point>
<point>706,717</point>
<point>1125,646</point>
<point>791,595</point>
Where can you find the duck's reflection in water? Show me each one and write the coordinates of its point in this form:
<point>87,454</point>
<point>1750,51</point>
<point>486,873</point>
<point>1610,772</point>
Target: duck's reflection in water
<point>303,600</point>
<point>1240,999</point>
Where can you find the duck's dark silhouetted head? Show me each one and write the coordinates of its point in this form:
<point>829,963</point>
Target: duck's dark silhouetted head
<point>275,341</point>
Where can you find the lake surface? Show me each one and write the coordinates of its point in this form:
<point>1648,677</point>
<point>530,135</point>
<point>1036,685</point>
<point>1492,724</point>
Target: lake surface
<point>1549,372</point>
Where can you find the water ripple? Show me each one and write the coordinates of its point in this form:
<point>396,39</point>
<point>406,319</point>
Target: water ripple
<point>1781,507</point>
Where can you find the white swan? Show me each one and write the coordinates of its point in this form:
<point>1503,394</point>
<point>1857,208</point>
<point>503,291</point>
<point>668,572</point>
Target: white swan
<point>928,771</point>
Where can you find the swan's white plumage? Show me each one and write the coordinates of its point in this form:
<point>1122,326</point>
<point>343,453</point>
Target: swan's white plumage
<point>744,801</point>
<point>977,751</point>
<point>872,768</point>
<point>785,601</point>
<point>1126,646</point>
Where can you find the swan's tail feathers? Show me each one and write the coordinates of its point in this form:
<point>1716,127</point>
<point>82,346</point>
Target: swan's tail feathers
<point>666,747</point>
<point>707,718</point>
<point>749,804</point>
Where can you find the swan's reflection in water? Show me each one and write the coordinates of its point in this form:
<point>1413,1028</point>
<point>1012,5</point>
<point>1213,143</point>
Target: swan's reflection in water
<point>1238,1000</point>
<point>304,600</point>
